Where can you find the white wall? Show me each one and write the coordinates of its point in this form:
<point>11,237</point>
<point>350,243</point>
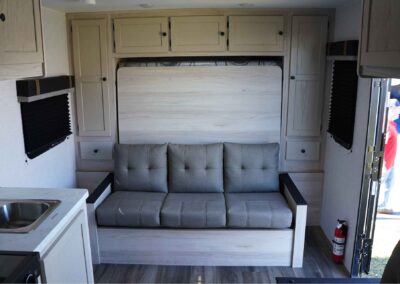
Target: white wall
<point>343,168</point>
<point>56,167</point>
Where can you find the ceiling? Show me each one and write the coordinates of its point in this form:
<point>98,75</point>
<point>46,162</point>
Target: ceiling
<point>112,5</point>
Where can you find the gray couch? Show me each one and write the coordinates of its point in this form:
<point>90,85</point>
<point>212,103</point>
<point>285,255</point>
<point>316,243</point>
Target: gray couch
<point>195,188</point>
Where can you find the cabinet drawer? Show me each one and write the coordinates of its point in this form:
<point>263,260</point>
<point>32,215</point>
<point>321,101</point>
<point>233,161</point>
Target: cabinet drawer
<point>302,150</point>
<point>256,33</point>
<point>96,150</point>
<point>198,33</point>
<point>141,35</point>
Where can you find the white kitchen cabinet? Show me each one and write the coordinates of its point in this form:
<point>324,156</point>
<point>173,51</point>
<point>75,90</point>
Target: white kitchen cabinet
<point>141,35</point>
<point>198,34</point>
<point>307,64</point>
<point>21,46</point>
<point>68,259</point>
<point>380,39</point>
<point>256,33</point>
<point>89,40</point>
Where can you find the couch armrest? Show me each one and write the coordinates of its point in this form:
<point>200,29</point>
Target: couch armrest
<point>287,182</point>
<point>102,191</point>
<point>299,208</point>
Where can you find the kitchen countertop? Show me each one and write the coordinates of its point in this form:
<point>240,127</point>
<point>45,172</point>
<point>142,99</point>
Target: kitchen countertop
<point>39,238</point>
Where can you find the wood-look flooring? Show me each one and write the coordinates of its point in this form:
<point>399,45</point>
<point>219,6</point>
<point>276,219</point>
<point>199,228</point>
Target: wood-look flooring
<point>317,263</point>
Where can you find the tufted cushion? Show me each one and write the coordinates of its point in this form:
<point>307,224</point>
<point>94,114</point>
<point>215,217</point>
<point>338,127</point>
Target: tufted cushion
<point>251,167</point>
<point>258,210</point>
<point>141,168</point>
<point>131,209</point>
<point>194,210</point>
<point>195,168</point>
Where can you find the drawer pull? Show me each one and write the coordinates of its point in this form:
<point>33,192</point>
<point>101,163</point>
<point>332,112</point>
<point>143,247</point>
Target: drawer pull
<point>222,33</point>
<point>303,151</point>
<point>95,151</point>
<point>280,33</point>
<point>164,34</point>
<point>2,17</point>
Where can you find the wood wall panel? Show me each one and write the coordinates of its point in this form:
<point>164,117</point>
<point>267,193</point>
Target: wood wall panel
<point>199,104</point>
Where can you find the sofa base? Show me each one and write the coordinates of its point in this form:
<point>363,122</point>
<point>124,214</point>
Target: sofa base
<point>213,247</point>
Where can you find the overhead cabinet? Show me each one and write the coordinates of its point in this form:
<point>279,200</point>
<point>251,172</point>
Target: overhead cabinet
<point>141,35</point>
<point>198,34</point>
<point>307,64</point>
<point>256,33</point>
<point>91,76</point>
<point>21,38</point>
<point>380,39</point>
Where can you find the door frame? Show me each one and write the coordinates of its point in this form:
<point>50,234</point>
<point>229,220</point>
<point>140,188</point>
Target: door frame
<point>373,162</point>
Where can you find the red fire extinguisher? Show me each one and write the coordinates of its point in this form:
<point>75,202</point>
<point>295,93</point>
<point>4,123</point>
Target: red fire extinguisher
<point>339,241</point>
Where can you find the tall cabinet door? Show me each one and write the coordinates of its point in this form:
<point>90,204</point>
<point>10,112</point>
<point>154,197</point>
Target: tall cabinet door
<point>309,36</point>
<point>380,39</point>
<point>92,88</point>
<point>21,32</point>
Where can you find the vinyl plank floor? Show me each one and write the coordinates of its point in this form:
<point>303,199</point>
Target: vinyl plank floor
<point>317,263</point>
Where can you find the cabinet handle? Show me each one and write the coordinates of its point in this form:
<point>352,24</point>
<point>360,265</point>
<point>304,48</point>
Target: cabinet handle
<point>95,151</point>
<point>303,151</point>
<point>280,33</point>
<point>222,33</point>
<point>104,79</point>
<point>2,17</point>
<point>164,34</point>
<point>292,77</point>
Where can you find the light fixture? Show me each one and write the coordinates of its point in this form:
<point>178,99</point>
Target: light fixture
<point>246,5</point>
<point>145,5</point>
<point>88,2</point>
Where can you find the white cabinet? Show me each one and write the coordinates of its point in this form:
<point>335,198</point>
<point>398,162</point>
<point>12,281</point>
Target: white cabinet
<point>302,150</point>
<point>198,34</point>
<point>89,39</point>
<point>307,63</point>
<point>68,259</point>
<point>256,33</point>
<point>380,39</point>
<point>21,46</point>
<point>141,35</point>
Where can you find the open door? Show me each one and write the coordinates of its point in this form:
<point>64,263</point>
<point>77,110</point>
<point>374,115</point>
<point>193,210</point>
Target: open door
<point>371,177</point>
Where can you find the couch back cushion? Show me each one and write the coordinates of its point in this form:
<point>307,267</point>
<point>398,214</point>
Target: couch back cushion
<point>195,168</point>
<point>251,167</point>
<point>141,167</point>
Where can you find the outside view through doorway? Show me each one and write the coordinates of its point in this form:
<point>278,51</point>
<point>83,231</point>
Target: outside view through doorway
<point>387,225</point>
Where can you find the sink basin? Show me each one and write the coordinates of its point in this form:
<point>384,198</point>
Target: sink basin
<point>22,216</point>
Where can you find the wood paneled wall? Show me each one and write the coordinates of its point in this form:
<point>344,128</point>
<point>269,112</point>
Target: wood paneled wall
<point>199,104</point>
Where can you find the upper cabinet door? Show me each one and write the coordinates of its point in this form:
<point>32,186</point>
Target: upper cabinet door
<point>198,33</point>
<point>307,64</point>
<point>256,33</point>
<point>21,32</point>
<point>141,35</point>
<point>91,69</point>
<point>380,39</point>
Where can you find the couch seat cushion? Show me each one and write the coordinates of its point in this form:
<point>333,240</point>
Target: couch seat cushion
<point>258,210</point>
<point>131,209</point>
<point>195,168</point>
<point>141,167</point>
<point>194,210</point>
<point>251,167</point>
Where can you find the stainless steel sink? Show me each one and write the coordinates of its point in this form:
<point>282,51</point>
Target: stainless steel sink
<point>22,216</point>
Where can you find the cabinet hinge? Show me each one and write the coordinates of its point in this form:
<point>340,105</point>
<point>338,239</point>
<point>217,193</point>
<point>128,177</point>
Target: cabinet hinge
<point>364,253</point>
<point>374,167</point>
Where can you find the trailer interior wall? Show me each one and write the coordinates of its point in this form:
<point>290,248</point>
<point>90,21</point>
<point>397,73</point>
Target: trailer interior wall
<point>344,168</point>
<point>56,167</point>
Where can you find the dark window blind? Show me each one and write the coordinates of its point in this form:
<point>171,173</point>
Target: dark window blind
<point>46,123</point>
<point>343,102</point>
